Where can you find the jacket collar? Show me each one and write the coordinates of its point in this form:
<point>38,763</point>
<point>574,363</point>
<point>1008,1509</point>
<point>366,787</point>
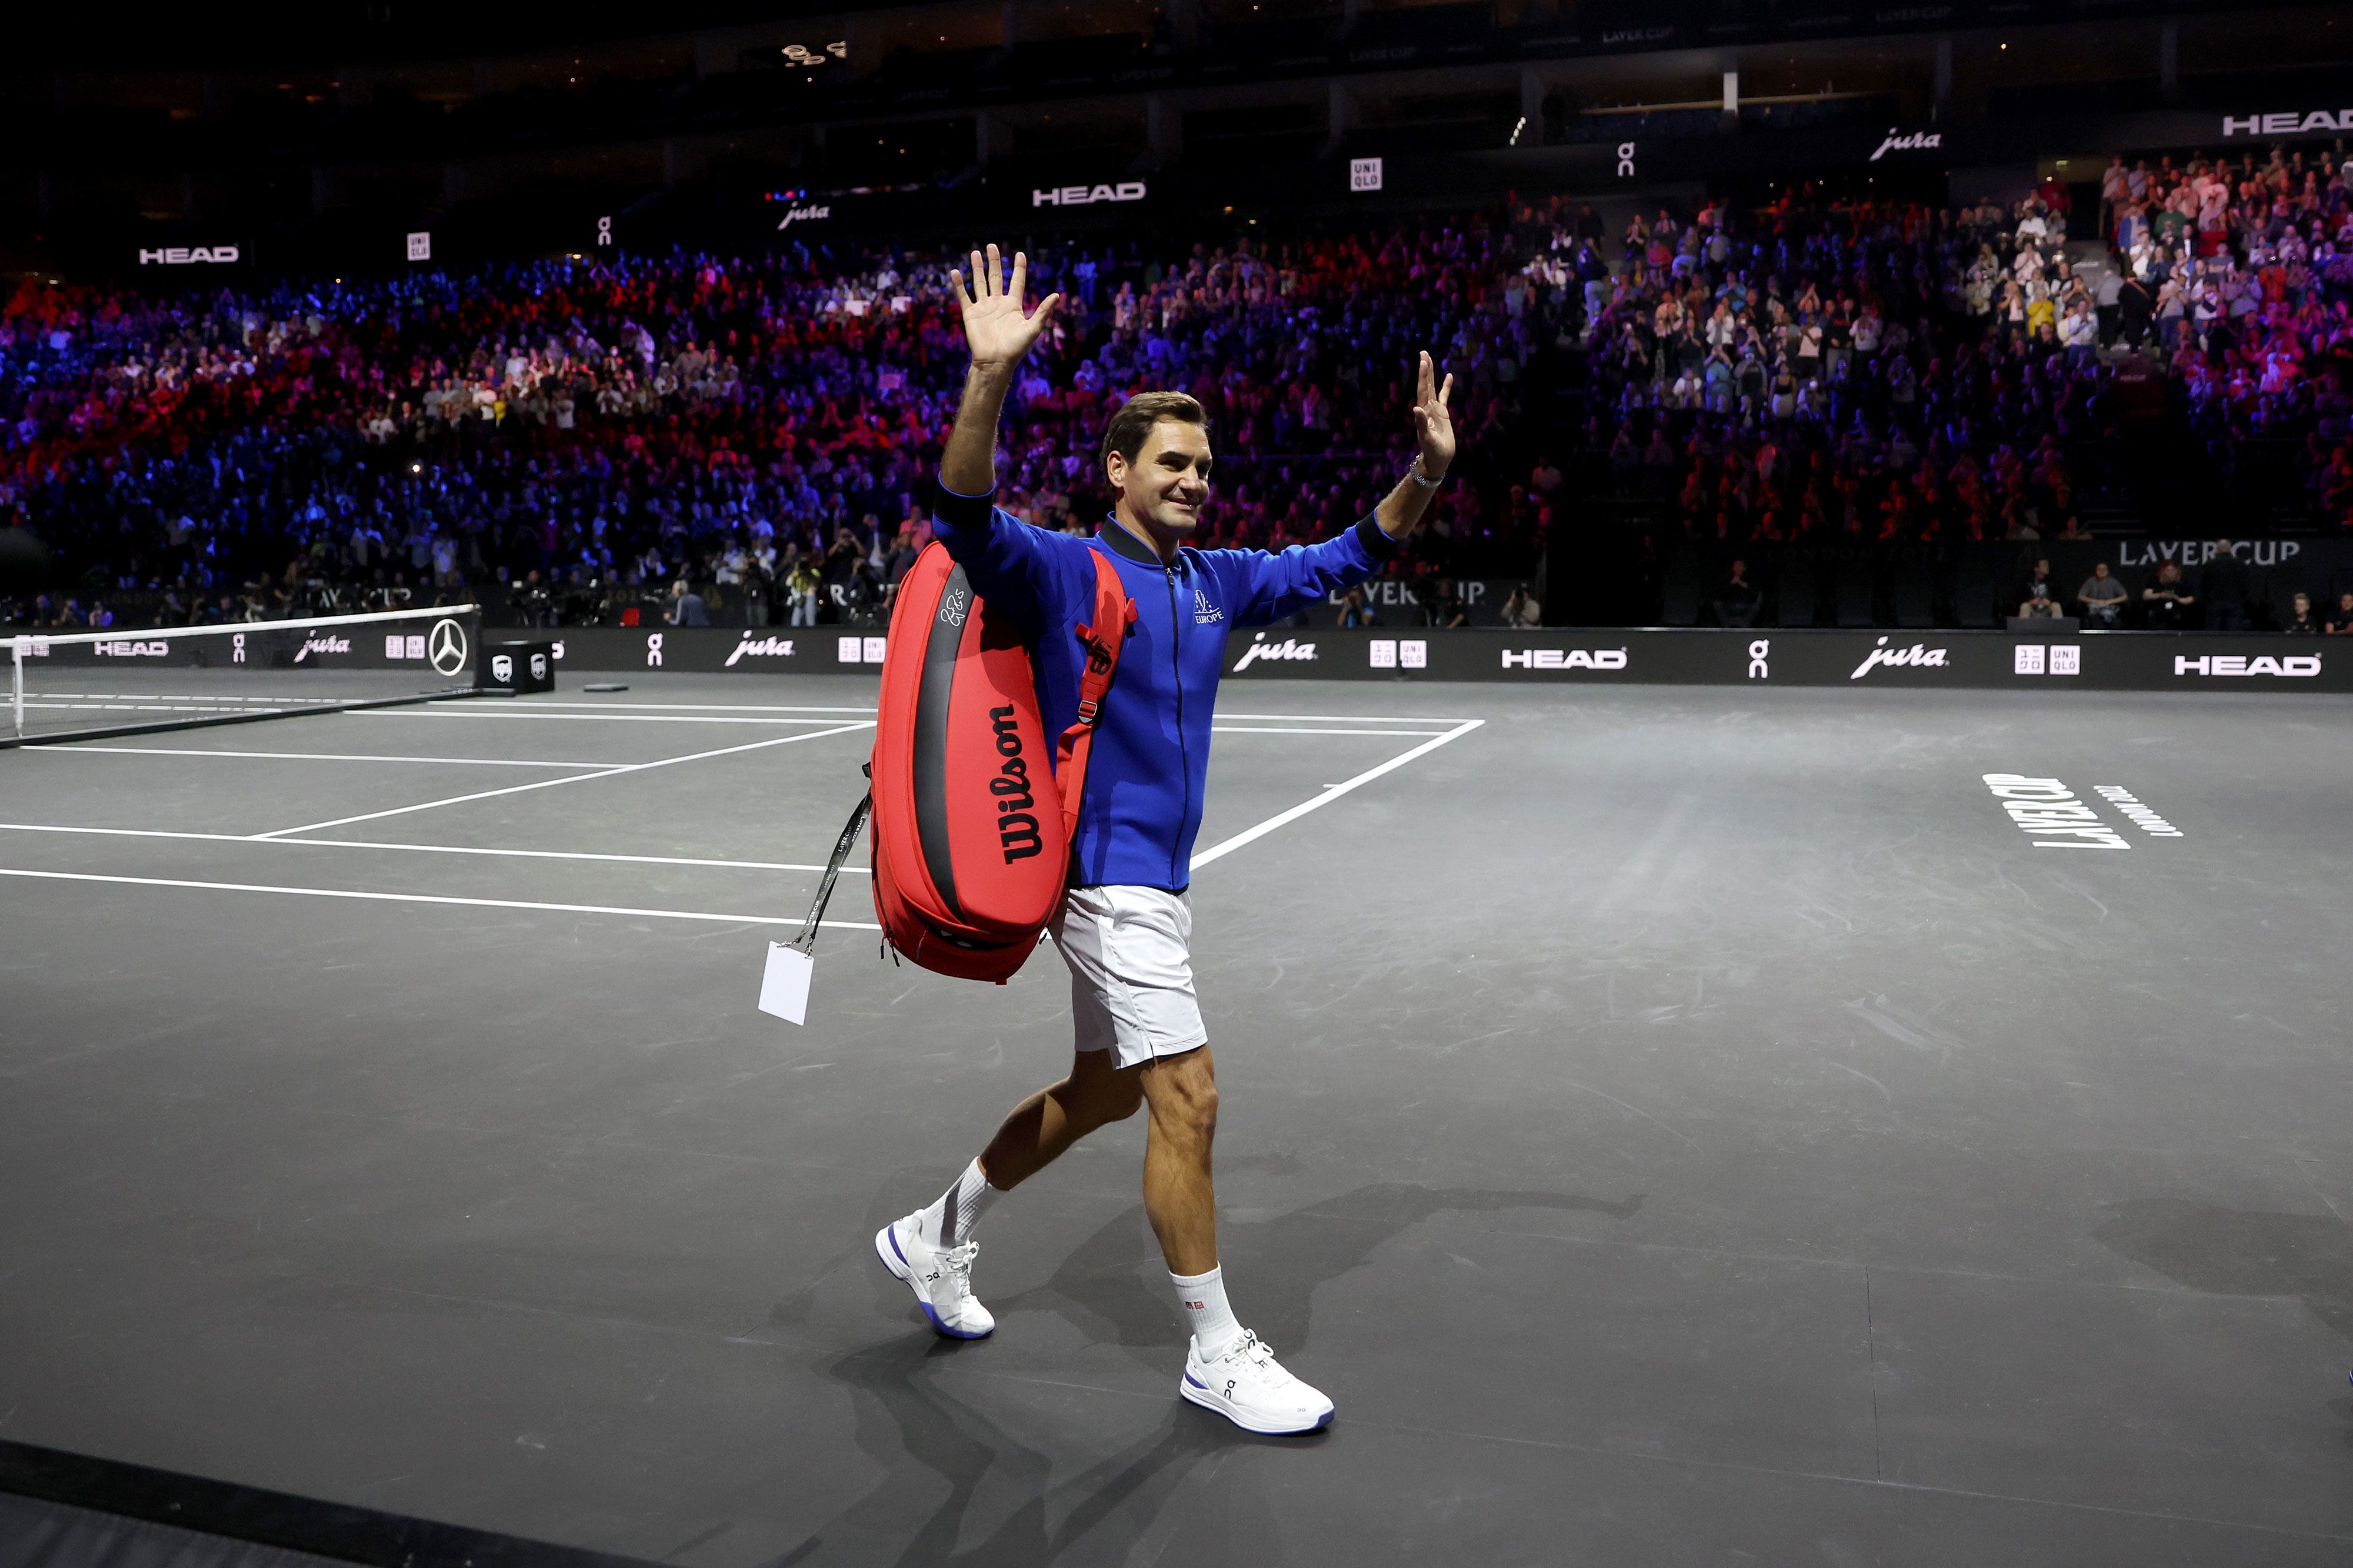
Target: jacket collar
<point>1120,542</point>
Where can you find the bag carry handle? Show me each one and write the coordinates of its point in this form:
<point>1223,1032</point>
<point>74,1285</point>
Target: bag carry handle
<point>806,939</point>
<point>1114,609</point>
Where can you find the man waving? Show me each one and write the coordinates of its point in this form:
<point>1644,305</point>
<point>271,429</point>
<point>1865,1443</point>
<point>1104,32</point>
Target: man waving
<point>1125,925</point>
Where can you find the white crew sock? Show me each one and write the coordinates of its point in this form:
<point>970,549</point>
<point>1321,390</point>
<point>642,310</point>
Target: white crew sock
<point>1202,1298</point>
<point>949,1221</point>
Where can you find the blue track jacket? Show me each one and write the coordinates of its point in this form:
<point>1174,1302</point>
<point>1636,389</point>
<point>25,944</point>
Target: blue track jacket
<point>1151,757</point>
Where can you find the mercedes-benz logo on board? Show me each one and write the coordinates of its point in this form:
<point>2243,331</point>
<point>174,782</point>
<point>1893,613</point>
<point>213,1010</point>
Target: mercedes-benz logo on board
<point>446,648</point>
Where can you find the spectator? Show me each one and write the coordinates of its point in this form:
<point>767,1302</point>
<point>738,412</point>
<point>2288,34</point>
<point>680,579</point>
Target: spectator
<point>1521,610</point>
<point>1354,611</point>
<point>802,587</point>
<point>686,606</point>
<point>1736,601</point>
<point>2038,605</point>
<point>2103,597</point>
<point>1441,606</point>
<point>2165,604</point>
<point>2224,582</point>
<point>2299,621</point>
<point>2340,619</point>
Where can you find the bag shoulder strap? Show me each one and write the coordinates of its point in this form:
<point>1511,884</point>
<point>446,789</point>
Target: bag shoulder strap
<point>1101,636</point>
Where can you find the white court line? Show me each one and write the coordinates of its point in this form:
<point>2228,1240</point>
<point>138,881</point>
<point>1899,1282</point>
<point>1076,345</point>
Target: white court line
<point>1252,835</point>
<point>433,899</point>
<point>78,748</point>
<point>477,712</point>
<point>697,706</point>
<point>1294,729</point>
<point>571,778</point>
<point>424,848</point>
<point>1345,718</point>
<point>58,697</point>
<point>111,706</point>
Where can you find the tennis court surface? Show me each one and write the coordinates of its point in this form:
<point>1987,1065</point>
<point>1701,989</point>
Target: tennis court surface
<point>1674,1125</point>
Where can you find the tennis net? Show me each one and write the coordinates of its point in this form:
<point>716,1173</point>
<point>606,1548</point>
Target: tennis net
<point>80,685</point>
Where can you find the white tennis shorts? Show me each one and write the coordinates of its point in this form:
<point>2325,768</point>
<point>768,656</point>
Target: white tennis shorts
<point>1130,953</point>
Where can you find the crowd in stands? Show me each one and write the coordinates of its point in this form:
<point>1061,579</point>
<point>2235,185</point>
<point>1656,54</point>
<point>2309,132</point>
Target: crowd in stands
<point>1896,372</point>
<point>571,432</point>
<point>762,427</point>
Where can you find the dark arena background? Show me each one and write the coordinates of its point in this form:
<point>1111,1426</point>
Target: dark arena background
<point>1778,976</point>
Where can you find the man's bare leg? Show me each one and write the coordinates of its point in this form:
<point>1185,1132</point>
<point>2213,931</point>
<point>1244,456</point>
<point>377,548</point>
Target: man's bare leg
<point>1178,1196</point>
<point>932,1249</point>
<point>1042,1126</point>
<point>1227,1369</point>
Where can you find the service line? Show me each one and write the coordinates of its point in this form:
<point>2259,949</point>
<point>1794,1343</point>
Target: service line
<point>76,748</point>
<point>426,848</point>
<point>1252,835</point>
<point>434,899</point>
<point>573,778</point>
<point>504,712</point>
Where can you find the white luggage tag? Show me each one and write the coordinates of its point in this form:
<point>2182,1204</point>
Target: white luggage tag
<point>784,985</point>
<point>784,988</point>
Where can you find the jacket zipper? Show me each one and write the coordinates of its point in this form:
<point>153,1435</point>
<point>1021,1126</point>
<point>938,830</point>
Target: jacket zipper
<point>1176,667</point>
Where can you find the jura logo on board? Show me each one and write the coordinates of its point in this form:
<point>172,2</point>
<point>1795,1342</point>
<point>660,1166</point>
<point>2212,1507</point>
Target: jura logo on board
<point>1271,652</point>
<point>1918,141</point>
<point>2294,666</point>
<point>750,647</point>
<point>327,643</point>
<point>130,649</point>
<point>188,256</point>
<point>1087,196</point>
<point>2316,120</point>
<point>812,213</point>
<point>1928,657</point>
<point>1017,830</point>
<point>1564,658</point>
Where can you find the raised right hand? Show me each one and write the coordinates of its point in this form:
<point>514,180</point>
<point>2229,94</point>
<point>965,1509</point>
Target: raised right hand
<point>994,326</point>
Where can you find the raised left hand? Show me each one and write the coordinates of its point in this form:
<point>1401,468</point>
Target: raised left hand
<point>1434,427</point>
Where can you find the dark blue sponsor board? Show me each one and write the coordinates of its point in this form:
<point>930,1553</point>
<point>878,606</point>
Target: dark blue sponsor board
<point>2110,661</point>
<point>442,646</point>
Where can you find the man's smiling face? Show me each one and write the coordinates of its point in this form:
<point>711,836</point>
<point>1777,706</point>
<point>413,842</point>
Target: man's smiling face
<point>1168,484</point>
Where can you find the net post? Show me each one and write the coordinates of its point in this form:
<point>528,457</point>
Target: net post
<point>17,682</point>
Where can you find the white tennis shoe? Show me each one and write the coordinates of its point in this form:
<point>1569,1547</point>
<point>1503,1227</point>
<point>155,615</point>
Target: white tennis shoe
<point>940,1278</point>
<point>1244,1384</point>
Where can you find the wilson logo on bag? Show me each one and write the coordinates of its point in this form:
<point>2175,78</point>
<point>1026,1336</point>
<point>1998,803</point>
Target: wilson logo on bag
<point>974,808</point>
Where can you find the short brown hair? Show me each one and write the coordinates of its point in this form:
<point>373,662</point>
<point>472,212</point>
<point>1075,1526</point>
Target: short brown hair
<point>1132,426</point>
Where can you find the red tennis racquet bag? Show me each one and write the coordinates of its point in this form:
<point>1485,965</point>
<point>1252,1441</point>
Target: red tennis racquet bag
<point>973,807</point>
